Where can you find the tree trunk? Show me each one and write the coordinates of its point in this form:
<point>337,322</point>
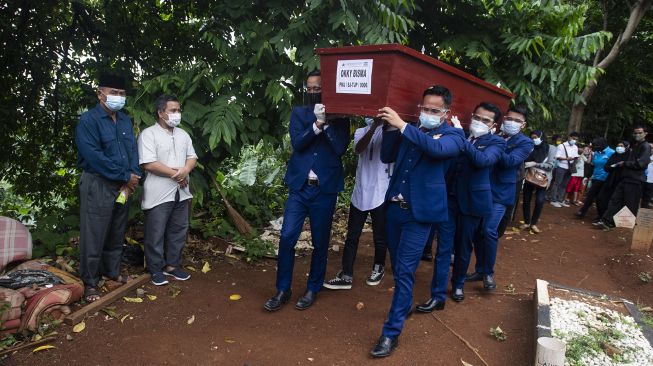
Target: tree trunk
<point>636,13</point>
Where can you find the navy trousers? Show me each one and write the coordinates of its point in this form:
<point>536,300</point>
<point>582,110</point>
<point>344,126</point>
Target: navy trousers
<point>319,207</point>
<point>466,229</point>
<point>446,235</point>
<point>406,238</point>
<point>487,241</point>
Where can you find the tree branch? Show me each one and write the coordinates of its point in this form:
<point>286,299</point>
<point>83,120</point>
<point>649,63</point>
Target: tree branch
<point>636,14</point>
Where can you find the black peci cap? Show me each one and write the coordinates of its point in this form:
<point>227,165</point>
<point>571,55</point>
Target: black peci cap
<point>109,80</point>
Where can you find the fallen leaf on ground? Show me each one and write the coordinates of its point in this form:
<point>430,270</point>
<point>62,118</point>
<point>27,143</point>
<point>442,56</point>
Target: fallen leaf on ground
<point>498,334</point>
<point>122,320</point>
<point>191,268</point>
<point>69,337</point>
<point>79,327</point>
<point>110,312</point>
<point>311,359</point>
<point>174,291</point>
<point>191,320</point>
<point>360,305</point>
<point>647,309</point>
<point>37,337</point>
<point>206,267</point>
<point>235,297</point>
<point>151,297</point>
<point>43,348</point>
<point>229,340</point>
<point>508,237</point>
<point>465,363</point>
<point>132,299</point>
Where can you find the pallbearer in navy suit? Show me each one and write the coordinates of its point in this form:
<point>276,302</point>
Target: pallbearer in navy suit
<point>504,185</point>
<point>416,196</point>
<point>473,194</point>
<point>314,178</point>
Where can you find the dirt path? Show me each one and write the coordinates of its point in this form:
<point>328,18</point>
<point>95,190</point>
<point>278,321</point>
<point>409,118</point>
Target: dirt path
<point>334,331</point>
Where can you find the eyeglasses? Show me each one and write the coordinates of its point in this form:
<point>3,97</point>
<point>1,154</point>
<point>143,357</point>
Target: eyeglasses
<point>485,120</point>
<point>316,89</point>
<point>432,110</point>
<point>637,133</point>
<point>510,119</point>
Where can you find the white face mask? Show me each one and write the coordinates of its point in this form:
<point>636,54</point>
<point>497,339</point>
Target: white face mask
<point>115,102</point>
<point>572,142</point>
<point>511,128</point>
<point>537,141</point>
<point>174,119</point>
<point>478,128</point>
<point>620,149</point>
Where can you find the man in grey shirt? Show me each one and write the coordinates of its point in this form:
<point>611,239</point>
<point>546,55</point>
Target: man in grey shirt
<point>166,153</point>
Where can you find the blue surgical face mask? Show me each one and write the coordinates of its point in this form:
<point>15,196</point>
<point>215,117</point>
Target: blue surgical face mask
<point>537,141</point>
<point>369,121</point>
<point>511,128</point>
<point>115,102</point>
<point>429,121</point>
<point>620,149</point>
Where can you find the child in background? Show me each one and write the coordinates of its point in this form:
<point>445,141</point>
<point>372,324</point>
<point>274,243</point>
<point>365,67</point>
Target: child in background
<point>575,184</point>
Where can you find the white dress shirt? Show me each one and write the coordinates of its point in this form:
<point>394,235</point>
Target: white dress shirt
<point>372,176</point>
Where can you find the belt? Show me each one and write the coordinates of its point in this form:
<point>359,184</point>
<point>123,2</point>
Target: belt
<point>402,204</point>
<point>312,182</point>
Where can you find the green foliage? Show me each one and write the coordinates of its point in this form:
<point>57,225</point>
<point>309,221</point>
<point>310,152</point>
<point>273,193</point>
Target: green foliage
<point>52,236</point>
<point>595,342</point>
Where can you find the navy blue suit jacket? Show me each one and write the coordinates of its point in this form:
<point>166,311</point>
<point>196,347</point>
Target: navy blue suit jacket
<point>473,191</point>
<point>437,147</point>
<point>504,176</point>
<point>322,153</point>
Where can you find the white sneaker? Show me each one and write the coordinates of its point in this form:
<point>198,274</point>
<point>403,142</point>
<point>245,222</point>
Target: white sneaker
<point>556,204</point>
<point>564,204</point>
<point>524,226</point>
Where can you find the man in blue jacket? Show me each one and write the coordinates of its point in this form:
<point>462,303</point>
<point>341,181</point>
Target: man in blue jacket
<point>473,202</point>
<point>107,154</point>
<point>314,178</point>
<point>416,196</point>
<point>504,184</point>
<point>600,155</point>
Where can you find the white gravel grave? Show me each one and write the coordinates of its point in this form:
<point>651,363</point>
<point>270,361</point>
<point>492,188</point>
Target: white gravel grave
<point>597,336</point>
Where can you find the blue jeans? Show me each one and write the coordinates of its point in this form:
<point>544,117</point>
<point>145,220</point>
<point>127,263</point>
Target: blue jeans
<point>406,238</point>
<point>319,207</point>
<point>487,241</point>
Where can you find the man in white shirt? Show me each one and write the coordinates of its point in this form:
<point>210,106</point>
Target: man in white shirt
<point>166,153</point>
<point>372,178</point>
<point>566,154</point>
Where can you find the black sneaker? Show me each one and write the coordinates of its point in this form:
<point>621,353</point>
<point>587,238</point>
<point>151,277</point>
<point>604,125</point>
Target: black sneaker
<point>377,275</point>
<point>340,282</point>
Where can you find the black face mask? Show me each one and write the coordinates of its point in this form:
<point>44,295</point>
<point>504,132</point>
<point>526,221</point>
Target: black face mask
<point>314,98</point>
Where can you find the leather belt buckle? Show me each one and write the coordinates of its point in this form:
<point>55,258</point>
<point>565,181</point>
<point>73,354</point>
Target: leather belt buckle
<point>312,182</point>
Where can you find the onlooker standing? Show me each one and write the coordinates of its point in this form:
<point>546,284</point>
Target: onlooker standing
<point>575,184</point>
<point>629,191</point>
<point>542,157</point>
<point>600,155</point>
<point>166,153</point>
<point>372,178</point>
<point>647,194</point>
<point>566,154</point>
<point>108,156</point>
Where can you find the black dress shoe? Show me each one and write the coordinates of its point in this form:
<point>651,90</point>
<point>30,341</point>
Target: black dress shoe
<point>473,277</point>
<point>427,257</point>
<point>429,306</point>
<point>579,215</point>
<point>458,295</point>
<point>275,302</point>
<point>384,347</point>
<point>488,283</point>
<point>306,301</point>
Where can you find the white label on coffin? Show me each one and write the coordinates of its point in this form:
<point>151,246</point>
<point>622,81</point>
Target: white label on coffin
<point>354,77</point>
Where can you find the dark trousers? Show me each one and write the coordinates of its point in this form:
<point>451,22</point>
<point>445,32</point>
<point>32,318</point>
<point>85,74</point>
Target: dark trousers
<point>446,234</point>
<point>486,241</point>
<point>540,192</point>
<point>647,195</point>
<point>102,228</point>
<point>319,207</point>
<point>591,196</point>
<point>466,229</point>
<point>166,226</point>
<point>627,193</point>
<point>355,223</point>
<point>406,238</point>
<point>509,215</point>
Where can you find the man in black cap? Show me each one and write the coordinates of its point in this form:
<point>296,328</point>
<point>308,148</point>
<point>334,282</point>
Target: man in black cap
<point>108,156</point>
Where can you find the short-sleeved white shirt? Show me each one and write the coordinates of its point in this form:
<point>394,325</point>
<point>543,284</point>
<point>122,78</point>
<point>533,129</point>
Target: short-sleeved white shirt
<point>156,143</point>
<point>572,152</point>
<point>372,176</point>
